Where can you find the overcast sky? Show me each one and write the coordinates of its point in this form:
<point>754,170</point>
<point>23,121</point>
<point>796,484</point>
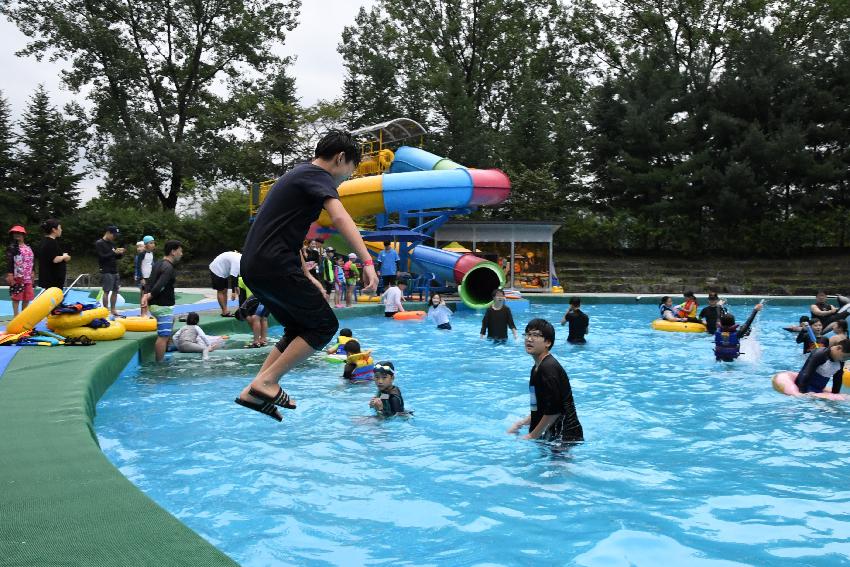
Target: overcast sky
<point>318,67</point>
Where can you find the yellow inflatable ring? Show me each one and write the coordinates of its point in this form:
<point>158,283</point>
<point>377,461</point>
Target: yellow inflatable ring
<point>845,379</point>
<point>114,331</point>
<point>409,315</point>
<point>139,324</point>
<point>368,298</point>
<point>35,311</point>
<point>678,326</point>
<point>71,320</point>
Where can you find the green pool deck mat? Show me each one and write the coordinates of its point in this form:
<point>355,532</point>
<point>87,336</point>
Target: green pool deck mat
<point>62,501</point>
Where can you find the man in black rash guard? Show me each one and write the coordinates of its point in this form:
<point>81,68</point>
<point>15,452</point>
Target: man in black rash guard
<point>711,314</point>
<point>274,269</point>
<point>578,321</point>
<point>821,309</point>
<point>553,412</point>
<point>821,366</point>
<point>497,319</point>
<point>159,300</point>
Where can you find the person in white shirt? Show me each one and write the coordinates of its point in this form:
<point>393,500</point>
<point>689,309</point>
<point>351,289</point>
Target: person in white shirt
<point>440,313</point>
<point>224,275</point>
<point>146,266</point>
<point>392,300</point>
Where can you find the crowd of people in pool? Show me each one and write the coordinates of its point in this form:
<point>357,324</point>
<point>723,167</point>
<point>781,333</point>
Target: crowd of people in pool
<point>276,274</point>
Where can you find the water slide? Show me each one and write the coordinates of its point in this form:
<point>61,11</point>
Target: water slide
<point>420,180</point>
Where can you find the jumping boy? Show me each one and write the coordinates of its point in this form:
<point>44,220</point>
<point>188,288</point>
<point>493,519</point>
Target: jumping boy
<point>553,412</point>
<point>273,268</point>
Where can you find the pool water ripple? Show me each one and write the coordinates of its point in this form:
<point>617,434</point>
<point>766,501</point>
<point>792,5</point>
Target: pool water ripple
<point>687,461</point>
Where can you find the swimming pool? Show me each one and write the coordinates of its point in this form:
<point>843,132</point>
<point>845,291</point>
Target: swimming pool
<point>687,461</point>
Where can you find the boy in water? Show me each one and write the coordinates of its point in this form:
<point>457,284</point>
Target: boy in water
<point>579,322</point>
<point>388,402</point>
<point>711,314</point>
<point>553,412</point>
<point>274,269</point>
<point>727,337</point>
<point>805,337</point>
<point>824,364</point>
<point>498,319</point>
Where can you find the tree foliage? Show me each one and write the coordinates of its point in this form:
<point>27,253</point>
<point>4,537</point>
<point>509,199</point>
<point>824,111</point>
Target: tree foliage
<point>169,81</point>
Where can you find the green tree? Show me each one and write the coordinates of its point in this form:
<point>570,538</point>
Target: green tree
<point>11,208</point>
<point>46,159</point>
<point>153,72</point>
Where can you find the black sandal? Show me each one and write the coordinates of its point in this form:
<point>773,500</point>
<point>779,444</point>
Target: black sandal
<point>280,399</point>
<point>265,408</point>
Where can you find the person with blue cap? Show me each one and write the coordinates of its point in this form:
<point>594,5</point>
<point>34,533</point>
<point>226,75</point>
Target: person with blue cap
<point>144,264</point>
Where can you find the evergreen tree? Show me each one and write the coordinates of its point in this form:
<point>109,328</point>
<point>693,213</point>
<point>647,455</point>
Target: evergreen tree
<point>11,211</point>
<point>47,157</point>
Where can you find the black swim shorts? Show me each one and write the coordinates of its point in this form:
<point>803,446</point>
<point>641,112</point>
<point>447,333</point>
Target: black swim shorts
<point>298,305</point>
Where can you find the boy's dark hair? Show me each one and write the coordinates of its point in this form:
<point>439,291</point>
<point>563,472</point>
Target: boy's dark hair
<point>841,324</point>
<point>351,347</point>
<point>193,318</point>
<point>545,328</point>
<point>820,291</point>
<point>48,225</point>
<point>816,322</point>
<point>712,296</point>
<point>664,299</point>
<point>498,291</point>
<point>689,295</point>
<point>727,320</point>
<point>575,301</point>
<point>844,344</point>
<point>345,332</point>
<point>804,319</point>
<point>171,246</point>
<point>336,141</point>
<point>386,243</point>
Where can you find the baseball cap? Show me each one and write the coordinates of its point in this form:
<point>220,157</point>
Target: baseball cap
<point>329,249</point>
<point>18,228</point>
<point>353,256</point>
<point>140,243</point>
<point>113,229</point>
<point>148,239</point>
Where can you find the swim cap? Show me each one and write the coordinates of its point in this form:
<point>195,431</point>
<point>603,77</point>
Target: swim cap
<point>148,239</point>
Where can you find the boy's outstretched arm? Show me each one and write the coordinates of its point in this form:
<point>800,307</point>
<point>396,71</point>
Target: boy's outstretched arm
<point>346,227</point>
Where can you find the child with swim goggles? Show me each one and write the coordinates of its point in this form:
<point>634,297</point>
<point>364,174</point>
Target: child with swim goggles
<point>388,401</point>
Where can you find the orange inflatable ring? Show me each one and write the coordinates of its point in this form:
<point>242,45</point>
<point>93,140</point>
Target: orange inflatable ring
<point>409,316</point>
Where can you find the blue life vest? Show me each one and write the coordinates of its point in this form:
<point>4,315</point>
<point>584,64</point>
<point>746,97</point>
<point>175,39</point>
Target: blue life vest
<point>727,346</point>
<point>662,308</point>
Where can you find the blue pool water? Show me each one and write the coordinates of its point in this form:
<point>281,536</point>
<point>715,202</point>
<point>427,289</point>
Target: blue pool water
<point>687,461</point>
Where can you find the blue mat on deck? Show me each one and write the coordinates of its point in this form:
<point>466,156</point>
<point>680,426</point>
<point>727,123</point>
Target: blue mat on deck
<point>7,353</point>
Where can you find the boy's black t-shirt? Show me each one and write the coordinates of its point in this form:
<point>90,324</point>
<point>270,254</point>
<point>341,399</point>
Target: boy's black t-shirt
<point>711,316</point>
<point>162,280</point>
<point>50,273</point>
<point>550,392</point>
<point>497,321</point>
<point>277,234</point>
<point>578,322</point>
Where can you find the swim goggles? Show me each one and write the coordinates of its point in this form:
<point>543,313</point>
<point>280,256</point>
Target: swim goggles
<point>386,369</point>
